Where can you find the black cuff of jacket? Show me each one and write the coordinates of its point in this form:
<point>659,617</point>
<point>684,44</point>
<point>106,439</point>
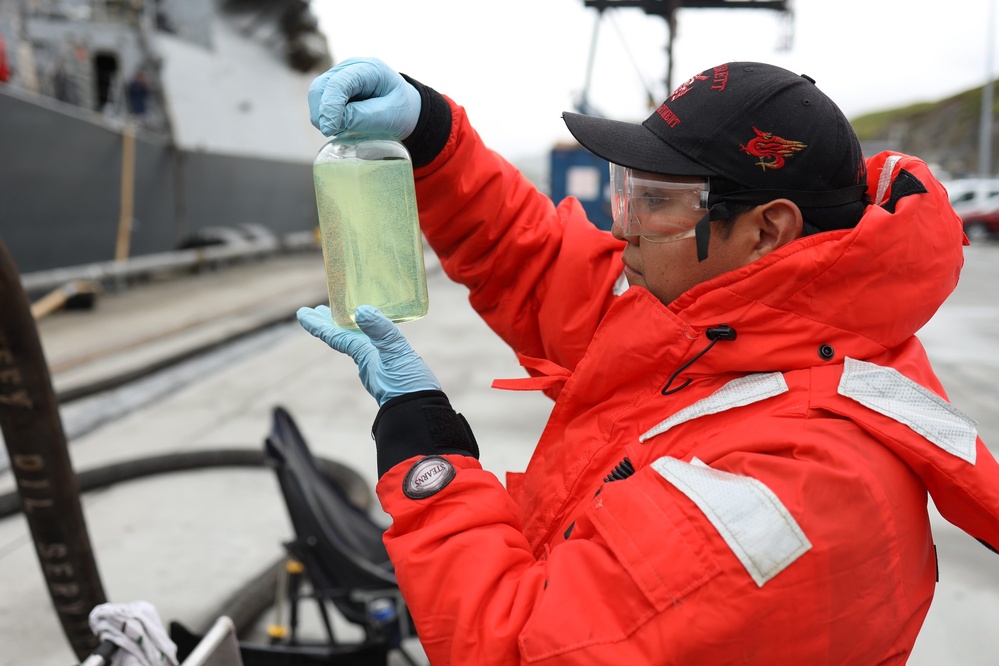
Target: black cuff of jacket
<point>432,129</point>
<point>420,424</point>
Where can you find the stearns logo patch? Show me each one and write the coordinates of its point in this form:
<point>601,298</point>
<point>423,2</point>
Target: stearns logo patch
<point>427,476</point>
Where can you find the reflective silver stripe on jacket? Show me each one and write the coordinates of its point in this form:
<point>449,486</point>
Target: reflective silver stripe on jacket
<point>889,392</point>
<point>749,516</point>
<point>885,180</point>
<point>738,392</point>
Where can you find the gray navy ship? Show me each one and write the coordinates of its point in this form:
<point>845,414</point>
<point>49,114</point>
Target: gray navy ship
<point>133,127</point>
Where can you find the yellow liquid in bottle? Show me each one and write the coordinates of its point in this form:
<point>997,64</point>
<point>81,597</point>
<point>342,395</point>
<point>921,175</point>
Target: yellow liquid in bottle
<point>371,238</point>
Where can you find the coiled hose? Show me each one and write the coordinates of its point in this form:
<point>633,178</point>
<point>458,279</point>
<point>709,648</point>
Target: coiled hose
<point>248,603</point>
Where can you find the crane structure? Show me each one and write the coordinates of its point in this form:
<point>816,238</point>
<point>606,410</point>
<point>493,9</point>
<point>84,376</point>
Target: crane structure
<point>667,9</point>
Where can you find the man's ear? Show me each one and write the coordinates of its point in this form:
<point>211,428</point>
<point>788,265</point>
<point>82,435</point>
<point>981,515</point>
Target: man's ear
<point>778,222</point>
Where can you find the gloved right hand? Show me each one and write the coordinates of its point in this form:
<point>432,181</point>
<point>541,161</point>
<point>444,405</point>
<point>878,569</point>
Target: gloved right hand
<point>386,363</point>
<point>363,95</point>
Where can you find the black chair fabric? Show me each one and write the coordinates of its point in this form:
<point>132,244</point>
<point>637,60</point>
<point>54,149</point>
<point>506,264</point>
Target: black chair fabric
<point>339,545</point>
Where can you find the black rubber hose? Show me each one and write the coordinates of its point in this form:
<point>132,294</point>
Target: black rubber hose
<point>248,604</point>
<point>353,484</point>
<point>36,446</point>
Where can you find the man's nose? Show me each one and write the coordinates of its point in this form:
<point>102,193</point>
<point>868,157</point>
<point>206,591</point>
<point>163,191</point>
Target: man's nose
<point>617,231</point>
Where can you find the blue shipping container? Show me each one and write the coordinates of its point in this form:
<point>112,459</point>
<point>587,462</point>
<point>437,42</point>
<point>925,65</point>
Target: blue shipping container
<point>576,172</point>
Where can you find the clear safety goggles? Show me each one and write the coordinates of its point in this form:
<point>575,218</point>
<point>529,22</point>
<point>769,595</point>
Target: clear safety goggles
<point>660,211</point>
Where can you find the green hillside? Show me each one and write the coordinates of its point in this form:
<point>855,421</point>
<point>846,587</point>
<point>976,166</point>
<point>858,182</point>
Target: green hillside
<point>943,133</point>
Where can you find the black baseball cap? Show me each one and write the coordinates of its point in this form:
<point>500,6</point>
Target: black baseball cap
<point>763,128</point>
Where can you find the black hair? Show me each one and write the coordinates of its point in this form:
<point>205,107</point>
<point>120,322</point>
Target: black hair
<point>814,219</point>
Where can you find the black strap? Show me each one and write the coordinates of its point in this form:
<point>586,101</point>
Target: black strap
<point>903,185</point>
<point>433,127</point>
<point>702,230</point>
<point>804,198</point>
<point>422,423</point>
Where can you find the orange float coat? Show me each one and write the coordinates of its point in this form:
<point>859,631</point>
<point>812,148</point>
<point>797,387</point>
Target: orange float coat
<point>778,511</point>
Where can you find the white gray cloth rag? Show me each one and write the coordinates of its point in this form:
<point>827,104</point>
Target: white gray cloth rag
<point>137,631</point>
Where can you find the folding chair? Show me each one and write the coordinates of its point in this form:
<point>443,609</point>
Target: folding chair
<point>339,546</point>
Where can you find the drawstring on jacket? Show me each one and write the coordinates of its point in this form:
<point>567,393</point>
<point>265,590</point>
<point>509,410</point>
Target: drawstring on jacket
<point>625,468</point>
<point>715,333</point>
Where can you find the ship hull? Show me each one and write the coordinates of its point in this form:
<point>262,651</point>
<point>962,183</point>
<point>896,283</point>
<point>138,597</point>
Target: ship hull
<point>63,194</point>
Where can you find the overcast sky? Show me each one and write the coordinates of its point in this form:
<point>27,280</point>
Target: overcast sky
<point>515,65</point>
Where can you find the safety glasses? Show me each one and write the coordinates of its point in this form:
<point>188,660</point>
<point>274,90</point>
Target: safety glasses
<point>660,211</point>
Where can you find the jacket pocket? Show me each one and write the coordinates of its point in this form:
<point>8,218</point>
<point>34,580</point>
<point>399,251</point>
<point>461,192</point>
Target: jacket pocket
<point>631,556</point>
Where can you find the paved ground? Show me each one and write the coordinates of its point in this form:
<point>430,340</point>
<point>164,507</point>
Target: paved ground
<point>184,542</point>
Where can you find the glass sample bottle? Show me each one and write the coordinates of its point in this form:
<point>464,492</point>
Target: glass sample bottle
<point>370,230</point>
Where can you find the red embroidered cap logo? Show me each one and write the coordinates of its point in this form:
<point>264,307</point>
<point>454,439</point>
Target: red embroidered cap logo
<point>684,87</point>
<point>771,150</point>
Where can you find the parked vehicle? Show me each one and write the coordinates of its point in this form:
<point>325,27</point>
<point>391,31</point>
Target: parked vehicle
<point>983,223</point>
<point>976,200</point>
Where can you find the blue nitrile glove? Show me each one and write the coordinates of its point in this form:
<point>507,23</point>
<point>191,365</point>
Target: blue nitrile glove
<point>386,363</point>
<point>363,95</point>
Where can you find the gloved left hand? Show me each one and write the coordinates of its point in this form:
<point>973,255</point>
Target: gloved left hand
<point>386,363</point>
<point>364,95</point>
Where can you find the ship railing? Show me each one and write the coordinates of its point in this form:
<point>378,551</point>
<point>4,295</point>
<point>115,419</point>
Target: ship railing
<point>115,274</point>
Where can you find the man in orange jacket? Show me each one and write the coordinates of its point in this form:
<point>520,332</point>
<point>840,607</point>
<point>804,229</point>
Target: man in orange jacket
<point>745,430</point>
